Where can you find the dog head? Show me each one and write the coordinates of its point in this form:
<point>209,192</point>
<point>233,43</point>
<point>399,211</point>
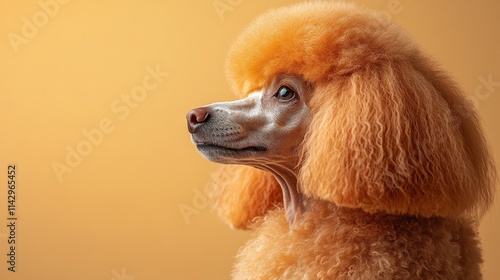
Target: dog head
<point>386,130</point>
<point>266,127</point>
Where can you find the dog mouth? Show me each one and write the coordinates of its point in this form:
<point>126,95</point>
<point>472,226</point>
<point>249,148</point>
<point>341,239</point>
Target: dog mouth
<point>206,147</point>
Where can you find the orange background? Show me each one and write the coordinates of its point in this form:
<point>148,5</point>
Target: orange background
<point>115,213</point>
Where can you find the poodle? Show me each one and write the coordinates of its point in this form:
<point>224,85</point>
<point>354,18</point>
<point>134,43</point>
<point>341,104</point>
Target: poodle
<point>351,154</point>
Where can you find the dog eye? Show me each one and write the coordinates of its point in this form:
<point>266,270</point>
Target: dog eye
<point>285,94</point>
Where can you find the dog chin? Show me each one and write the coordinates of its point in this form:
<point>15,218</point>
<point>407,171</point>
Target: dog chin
<point>223,154</point>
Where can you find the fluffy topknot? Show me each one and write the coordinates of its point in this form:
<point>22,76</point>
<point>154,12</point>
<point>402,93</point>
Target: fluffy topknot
<point>318,40</point>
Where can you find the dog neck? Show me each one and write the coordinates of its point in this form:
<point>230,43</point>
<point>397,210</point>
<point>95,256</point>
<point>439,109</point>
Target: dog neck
<point>292,197</point>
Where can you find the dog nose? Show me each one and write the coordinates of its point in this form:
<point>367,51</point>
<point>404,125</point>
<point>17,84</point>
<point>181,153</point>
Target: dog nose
<point>196,117</point>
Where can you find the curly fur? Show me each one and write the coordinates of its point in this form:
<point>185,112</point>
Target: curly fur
<point>349,244</point>
<point>242,193</point>
<point>394,165</point>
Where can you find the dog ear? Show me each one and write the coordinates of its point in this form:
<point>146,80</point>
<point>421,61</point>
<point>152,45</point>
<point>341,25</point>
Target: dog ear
<point>243,193</point>
<point>399,138</point>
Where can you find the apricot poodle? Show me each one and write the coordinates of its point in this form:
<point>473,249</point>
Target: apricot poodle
<point>355,156</point>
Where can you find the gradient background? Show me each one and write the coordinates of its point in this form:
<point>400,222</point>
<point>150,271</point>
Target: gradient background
<point>117,214</point>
